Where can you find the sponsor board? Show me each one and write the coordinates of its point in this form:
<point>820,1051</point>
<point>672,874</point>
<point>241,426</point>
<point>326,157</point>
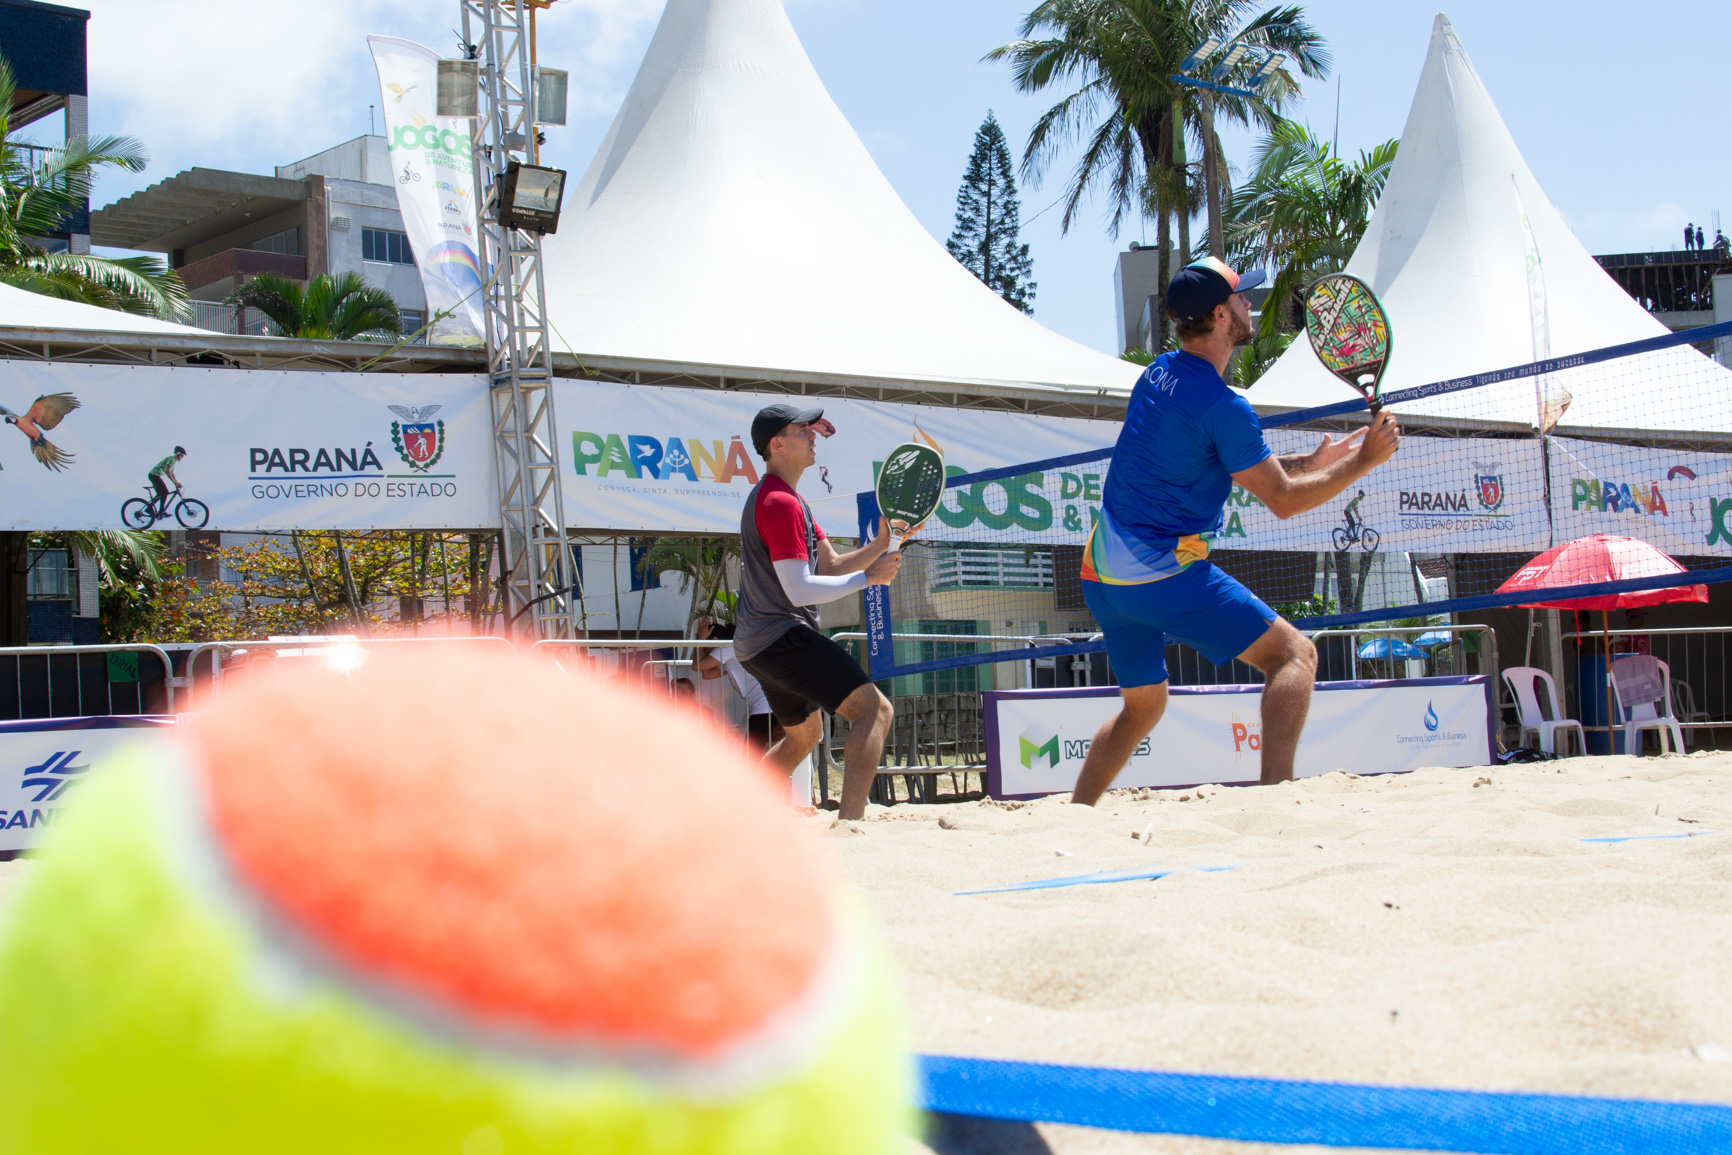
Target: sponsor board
<point>263,451</point>
<point>1676,500</point>
<point>1438,495</point>
<point>1037,739</point>
<point>681,460</point>
<point>44,763</point>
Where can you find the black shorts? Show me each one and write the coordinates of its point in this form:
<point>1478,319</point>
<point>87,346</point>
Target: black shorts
<point>802,671</point>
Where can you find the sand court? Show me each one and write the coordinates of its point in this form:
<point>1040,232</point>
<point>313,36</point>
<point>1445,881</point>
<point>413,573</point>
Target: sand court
<point>1446,928</point>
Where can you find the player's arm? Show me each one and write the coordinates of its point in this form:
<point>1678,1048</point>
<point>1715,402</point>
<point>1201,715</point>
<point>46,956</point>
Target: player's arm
<point>1289,494</point>
<point>832,562</point>
<point>782,526</point>
<point>1325,455</point>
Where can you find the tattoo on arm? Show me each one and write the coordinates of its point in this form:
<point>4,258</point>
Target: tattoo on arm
<point>1293,463</point>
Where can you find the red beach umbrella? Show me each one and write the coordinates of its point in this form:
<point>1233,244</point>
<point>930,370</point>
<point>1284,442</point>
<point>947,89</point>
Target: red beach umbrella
<point>1601,558</point>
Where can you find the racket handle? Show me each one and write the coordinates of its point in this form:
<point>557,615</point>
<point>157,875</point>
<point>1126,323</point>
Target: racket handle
<point>895,542</point>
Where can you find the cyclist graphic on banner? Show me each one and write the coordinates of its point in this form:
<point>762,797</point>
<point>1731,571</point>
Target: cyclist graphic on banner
<point>141,514</point>
<point>1356,530</point>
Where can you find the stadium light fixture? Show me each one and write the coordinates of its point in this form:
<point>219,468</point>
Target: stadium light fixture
<point>458,91</point>
<point>529,197</point>
<point>1203,51</point>
<point>551,85</point>
<point>1234,55</point>
<point>1276,60</point>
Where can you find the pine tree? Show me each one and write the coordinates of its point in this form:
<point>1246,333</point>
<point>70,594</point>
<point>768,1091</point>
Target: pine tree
<point>989,219</point>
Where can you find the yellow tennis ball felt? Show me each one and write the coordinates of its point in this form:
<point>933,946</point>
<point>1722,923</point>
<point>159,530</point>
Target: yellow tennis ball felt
<point>451,903</point>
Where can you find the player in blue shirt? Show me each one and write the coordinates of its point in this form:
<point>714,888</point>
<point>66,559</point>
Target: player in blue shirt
<point>1187,440</point>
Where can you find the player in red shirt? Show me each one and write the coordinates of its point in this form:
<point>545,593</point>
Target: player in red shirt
<point>788,568</point>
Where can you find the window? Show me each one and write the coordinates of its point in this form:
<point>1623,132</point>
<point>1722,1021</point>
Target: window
<point>413,319</point>
<point>387,245</point>
<point>51,574</point>
<point>287,242</point>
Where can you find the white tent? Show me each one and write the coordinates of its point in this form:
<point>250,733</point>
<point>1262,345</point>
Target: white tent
<point>25,310</point>
<point>733,218</point>
<point>1447,253</point>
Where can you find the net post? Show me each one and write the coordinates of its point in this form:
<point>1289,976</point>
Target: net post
<point>880,648</point>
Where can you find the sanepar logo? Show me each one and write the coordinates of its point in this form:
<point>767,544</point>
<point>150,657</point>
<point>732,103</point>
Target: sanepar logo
<point>1033,747</point>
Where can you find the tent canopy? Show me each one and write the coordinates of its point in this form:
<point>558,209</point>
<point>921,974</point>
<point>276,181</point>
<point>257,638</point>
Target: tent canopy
<point>732,217</point>
<point>1448,255</point>
<point>20,309</point>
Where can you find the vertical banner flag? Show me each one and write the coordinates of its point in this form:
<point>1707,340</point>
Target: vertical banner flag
<point>432,163</point>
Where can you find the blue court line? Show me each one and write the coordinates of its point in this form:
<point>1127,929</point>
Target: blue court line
<point>1649,837</point>
<point>1100,876</point>
<point>1329,1114</point>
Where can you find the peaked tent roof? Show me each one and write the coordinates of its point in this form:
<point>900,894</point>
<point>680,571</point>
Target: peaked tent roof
<point>1446,253</point>
<point>732,217</point>
<point>20,309</point>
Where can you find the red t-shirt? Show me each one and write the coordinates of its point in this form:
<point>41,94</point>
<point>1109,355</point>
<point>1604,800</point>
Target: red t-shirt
<point>781,521</point>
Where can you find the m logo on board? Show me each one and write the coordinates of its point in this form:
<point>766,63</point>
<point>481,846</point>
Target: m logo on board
<point>1033,747</point>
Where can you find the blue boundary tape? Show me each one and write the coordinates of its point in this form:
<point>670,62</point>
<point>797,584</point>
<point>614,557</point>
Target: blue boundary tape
<point>1098,878</point>
<point>1650,837</point>
<point>1328,1114</point>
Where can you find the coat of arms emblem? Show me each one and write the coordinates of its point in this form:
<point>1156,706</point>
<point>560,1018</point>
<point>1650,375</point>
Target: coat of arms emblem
<point>1490,486</point>
<point>418,441</point>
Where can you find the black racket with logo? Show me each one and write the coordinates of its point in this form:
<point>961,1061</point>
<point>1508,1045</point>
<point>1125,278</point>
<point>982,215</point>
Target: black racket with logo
<point>910,486</point>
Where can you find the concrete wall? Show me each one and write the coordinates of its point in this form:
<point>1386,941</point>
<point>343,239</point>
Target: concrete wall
<point>1136,278</point>
<point>366,159</point>
<point>366,205</point>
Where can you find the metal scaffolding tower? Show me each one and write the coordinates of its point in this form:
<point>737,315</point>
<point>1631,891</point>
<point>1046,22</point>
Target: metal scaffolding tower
<point>535,561</point>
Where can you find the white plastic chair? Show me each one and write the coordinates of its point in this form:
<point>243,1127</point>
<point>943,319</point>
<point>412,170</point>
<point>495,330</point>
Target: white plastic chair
<point>1643,684</point>
<point>1524,682</point>
<point>1684,708</point>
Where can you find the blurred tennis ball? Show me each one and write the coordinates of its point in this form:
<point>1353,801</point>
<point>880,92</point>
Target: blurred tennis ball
<point>442,903</point>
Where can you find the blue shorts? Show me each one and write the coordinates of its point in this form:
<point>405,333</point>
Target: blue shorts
<point>1206,609</point>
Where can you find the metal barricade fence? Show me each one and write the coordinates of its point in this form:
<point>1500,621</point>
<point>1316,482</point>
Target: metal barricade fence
<point>1699,660</point>
<point>119,679</point>
<point>223,659</point>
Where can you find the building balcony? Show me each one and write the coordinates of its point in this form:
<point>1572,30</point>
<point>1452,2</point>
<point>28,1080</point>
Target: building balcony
<point>236,265</point>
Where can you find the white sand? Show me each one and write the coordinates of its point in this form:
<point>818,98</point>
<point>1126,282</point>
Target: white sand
<point>1409,929</point>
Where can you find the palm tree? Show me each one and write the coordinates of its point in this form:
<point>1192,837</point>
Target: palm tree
<point>703,564</point>
<point>333,308</point>
<point>1134,120</point>
<point>40,195</point>
<point>1302,211</point>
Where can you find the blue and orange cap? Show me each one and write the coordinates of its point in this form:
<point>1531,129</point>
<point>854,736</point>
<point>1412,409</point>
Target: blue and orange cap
<point>1201,285</point>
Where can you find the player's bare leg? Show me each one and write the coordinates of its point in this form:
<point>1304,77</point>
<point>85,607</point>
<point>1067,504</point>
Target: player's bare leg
<point>795,745</point>
<point>1116,741</point>
<point>1289,664</point>
<point>869,716</point>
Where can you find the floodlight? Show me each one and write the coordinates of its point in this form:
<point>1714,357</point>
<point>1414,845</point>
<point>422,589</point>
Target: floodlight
<point>1276,60</point>
<point>550,90</point>
<point>1203,51</point>
<point>529,197</point>
<point>458,92</point>
<point>1228,61</point>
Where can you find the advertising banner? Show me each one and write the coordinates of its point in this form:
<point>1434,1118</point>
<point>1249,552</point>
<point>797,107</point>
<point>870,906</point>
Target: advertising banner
<point>1679,501</point>
<point>432,161</point>
<point>1036,740</point>
<point>642,457</point>
<point>42,763</point>
<point>250,450</point>
<point>1436,495</point>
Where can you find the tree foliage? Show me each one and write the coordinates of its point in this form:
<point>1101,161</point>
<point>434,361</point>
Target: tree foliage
<point>39,196</point>
<point>311,583</point>
<point>989,220</point>
<point>333,308</point>
<point>705,566</point>
<point>1302,212</point>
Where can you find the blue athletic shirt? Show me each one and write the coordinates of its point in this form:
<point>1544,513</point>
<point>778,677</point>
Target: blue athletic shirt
<point>1185,434</point>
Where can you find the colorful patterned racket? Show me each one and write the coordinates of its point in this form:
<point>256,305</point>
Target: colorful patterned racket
<point>910,485</point>
<point>1350,333</point>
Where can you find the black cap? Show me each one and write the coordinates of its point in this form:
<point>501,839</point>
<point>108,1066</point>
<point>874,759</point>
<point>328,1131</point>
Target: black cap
<point>772,419</point>
<point>1197,288</point>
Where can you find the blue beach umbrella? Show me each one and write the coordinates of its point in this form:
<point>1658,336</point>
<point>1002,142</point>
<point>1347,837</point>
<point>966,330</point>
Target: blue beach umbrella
<point>1434,638</point>
<point>1386,648</point>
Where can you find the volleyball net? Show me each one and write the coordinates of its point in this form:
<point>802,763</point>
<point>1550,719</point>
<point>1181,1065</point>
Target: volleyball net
<point>1632,440</point>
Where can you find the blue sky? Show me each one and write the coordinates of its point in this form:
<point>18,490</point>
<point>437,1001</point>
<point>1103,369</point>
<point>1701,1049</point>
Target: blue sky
<point>1613,112</point>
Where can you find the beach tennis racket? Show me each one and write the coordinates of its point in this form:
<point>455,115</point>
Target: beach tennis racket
<point>1350,334</point>
<point>910,485</point>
